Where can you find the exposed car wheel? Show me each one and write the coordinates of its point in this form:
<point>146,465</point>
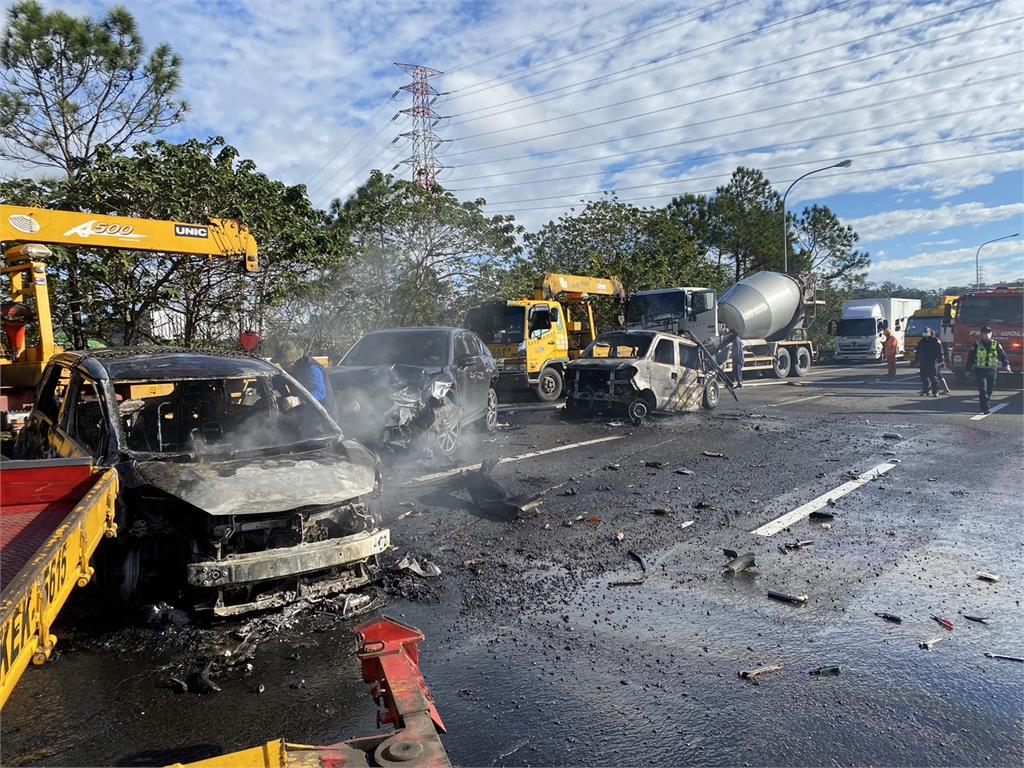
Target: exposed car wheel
<point>118,571</point>
<point>782,364</point>
<point>446,436</point>
<point>490,420</point>
<point>638,409</point>
<point>711,395</point>
<point>801,357</point>
<point>549,385</point>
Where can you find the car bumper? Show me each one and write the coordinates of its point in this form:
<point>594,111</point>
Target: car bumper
<point>253,567</point>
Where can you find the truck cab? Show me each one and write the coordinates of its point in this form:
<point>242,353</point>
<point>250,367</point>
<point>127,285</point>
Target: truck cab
<point>931,319</point>
<point>860,332</point>
<point>1001,308</point>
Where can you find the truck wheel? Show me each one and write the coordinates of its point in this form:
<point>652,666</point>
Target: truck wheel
<point>801,361</point>
<point>549,385</point>
<point>638,410</point>
<point>782,364</point>
<point>711,395</point>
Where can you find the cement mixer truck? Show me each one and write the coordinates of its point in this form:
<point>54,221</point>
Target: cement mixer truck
<point>769,311</point>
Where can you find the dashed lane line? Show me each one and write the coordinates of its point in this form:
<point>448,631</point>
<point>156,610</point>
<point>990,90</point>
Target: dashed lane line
<point>786,520</point>
<point>794,400</point>
<point>511,459</point>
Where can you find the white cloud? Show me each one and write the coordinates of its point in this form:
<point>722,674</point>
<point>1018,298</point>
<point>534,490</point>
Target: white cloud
<point>937,269</point>
<point>882,226</point>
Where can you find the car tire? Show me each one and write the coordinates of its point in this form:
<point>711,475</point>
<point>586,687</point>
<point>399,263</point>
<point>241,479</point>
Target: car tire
<point>782,363</point>
<point>801,357</point>
<point>711,393</point>
<point>489,422</point>
<point>446,440</point>
<point>549,384</point>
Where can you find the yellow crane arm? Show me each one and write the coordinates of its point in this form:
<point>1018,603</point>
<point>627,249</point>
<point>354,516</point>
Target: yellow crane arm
<point>217,237</point>
<point>552,285</point>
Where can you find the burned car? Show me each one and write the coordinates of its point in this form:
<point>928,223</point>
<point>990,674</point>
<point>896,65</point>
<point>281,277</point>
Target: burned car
<point>401,385</point>
<point>640,372</point>
<point>238,491</point>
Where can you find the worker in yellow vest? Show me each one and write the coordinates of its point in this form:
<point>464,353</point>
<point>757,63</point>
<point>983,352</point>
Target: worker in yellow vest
<point>986,358</point>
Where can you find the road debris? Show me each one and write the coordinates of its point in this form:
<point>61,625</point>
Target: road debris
<point>683,471</point>
<point>892,436</point>
<point>787,598</point>
<point>1001,656</point>
<point>570,492</point>
<point>740,563</point>
<point>640,560</point>
<point>827,526</point>
<point>654,464</point>
<point>617,537</point>
<point>978,619</point>
<point>889,617</point>
<point>593,520</point>
<point>662,512</point>
<point>616,424</point>
<point>626,583</point>
<point>686,524</point>
<point>944,623</point>
<point>795,545</point>
<point>990,577</point>
<point>927,645</point>
<point>753,674</point>
<point>426,569</point>
<point>490,496</point>
<point>823,514</point>
<point>714,455</point>
<point>828,671</point>
<point>612,467</point>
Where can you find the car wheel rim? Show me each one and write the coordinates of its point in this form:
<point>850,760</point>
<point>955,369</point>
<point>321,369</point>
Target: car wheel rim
<point>447,439</point>
<point>492,410</point>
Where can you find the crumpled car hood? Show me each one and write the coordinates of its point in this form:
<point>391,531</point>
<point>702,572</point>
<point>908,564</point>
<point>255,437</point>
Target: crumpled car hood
<point>267,484</point>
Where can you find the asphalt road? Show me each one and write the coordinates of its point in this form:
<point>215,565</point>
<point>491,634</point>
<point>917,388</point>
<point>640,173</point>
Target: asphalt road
<point>537,656</point>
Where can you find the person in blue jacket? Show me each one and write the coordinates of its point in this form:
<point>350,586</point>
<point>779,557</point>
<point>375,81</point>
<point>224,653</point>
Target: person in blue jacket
<point>309,373</point>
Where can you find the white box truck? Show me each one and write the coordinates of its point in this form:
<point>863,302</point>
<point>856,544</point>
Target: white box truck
<point>859,334</point>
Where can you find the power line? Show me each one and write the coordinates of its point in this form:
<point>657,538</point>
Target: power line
<point>541,38</point>
<point>764,31</point>
<point>795,142</point>
<point>780,182</point>
<point>747,113</point>
<point>747,89</point>
<point>585,53</point>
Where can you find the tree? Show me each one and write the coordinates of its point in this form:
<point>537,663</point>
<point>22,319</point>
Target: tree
<point>209,300</point>
<point>825,246</point>
<point>643,247</point>
<point>418,256</point>
<point>72,85</point>
<point>743,222</point>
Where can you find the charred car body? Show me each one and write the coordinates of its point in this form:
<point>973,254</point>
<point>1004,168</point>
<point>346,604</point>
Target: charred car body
<point>641,372</point>
<point>396,386</point>
<point>237,487</point>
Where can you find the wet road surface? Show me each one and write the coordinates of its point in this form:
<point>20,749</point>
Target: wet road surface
<point>536,657</point>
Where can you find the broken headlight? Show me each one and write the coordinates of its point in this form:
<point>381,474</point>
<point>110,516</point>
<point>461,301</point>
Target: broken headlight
<point>625,374</point>
<point>439,389</point>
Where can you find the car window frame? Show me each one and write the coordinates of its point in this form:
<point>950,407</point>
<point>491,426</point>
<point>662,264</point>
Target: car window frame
<point>654,352</point>
<point>67,426</point>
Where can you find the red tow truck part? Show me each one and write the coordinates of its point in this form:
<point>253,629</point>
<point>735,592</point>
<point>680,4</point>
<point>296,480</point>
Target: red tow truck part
<point>1001,308</point>
<point>53,515</point>
<point>389,655</point>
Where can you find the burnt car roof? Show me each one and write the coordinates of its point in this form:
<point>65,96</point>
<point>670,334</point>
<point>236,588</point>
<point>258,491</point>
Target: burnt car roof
<point>648,334</point>
<point>165,363</point>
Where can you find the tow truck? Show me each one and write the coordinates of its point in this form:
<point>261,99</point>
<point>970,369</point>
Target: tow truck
<point>534,339</point>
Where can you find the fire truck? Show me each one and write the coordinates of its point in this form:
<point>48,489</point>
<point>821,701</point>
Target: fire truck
<point>1000,307</point>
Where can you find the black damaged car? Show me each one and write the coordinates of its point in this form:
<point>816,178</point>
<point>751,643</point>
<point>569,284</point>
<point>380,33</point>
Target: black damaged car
<point>238,491</point>
<point>401,385</point>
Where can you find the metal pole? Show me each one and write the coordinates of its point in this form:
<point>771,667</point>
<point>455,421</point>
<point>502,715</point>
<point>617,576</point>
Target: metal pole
<point>785,228</point>
<point>977,257</point>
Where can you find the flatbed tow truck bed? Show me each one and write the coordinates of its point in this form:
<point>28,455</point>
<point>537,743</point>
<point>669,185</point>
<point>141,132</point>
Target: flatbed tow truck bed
<point>53,515</point>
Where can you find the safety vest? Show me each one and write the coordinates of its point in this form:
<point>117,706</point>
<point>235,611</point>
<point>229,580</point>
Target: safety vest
<point>987,357</point>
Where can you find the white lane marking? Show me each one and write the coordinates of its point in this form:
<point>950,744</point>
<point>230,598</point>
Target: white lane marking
<point>510,459</point>
<point>981,416</point>
<point>794,400</point>
<point>764,383</point>
<point>778,524</point>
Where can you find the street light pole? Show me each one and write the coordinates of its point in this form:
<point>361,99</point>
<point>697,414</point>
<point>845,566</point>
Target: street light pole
<point>977,257</point>
<point>785,227</point>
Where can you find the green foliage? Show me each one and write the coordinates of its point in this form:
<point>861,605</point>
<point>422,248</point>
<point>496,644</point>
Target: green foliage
<point>73,84</point>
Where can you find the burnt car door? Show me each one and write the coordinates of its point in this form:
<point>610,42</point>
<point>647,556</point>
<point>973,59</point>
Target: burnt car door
<point>472,374</point>
<point>84,429</point>
<point>664,373</point>
<point>39,438</point>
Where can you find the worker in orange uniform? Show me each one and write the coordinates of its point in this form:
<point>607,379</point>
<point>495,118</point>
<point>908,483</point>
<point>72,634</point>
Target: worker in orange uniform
<point>890,348</point>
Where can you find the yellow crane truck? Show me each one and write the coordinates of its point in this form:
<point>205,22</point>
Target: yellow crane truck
<point>932,318</point>
<point>534,339</point>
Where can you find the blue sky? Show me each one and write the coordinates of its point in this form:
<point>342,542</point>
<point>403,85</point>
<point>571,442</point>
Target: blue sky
<point>551,103</point>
